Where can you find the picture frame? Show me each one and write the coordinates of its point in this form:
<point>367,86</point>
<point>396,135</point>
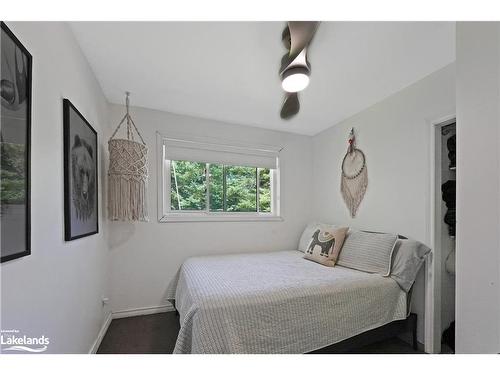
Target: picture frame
<point>15,144</point>
<point>81,203</point>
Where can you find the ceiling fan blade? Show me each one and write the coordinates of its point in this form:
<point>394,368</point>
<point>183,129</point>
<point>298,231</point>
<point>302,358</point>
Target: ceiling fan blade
<point>299,61</point>
<point>285,63</point>
<point>290,106</point>
<point>296,38</point>
<point>285,38</point>
<point>301,35</point>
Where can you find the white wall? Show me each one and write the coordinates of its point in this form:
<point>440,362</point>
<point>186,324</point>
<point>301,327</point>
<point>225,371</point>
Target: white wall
<point>478,194</point>
<point>56,291</point>
<point>395,137</point>
<point>146,256</point>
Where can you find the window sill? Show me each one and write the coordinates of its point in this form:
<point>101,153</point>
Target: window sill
<point>183,218</point>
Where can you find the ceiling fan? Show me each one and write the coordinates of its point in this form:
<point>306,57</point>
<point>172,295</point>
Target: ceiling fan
<point>295,68</point>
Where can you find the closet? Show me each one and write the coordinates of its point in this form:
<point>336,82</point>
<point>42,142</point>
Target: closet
<point>446,232</point>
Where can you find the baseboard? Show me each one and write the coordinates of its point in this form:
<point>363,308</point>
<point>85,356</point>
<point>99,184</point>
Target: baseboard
<point>101,334</point>
<point>142,311</point>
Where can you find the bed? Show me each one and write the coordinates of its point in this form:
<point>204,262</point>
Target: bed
<point>277,302</point>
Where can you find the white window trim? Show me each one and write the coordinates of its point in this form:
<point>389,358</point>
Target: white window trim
<point>165,215</point>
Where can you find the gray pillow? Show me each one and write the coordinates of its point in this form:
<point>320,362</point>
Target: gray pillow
<point>369,252</point>
<point>306,236</point>
<point>407,258</point>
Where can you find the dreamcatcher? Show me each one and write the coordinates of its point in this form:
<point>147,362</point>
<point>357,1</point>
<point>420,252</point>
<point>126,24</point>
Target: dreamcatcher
<point>354,180</point>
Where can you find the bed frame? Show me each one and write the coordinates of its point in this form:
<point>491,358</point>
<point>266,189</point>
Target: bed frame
<point>385,332</point>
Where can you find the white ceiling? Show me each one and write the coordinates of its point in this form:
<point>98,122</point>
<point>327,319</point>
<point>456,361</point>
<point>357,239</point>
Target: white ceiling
<point>228,71</point>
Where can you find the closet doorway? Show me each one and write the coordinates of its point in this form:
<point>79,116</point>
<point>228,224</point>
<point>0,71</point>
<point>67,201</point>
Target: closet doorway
<point>443,234</point>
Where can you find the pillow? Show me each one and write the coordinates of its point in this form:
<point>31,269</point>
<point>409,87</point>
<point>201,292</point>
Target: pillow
<point>325,244</point>
<point>369,252</point>
<point>407,258</point>
<point>305,238</point>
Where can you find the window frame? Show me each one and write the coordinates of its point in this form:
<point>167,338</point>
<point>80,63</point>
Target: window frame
<point>166,214</point>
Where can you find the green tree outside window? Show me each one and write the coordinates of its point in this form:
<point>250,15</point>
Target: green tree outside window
<point>231,188</point>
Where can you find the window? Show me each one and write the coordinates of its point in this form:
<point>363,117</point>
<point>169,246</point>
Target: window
<point>230,188</point>
<point>207,181</point>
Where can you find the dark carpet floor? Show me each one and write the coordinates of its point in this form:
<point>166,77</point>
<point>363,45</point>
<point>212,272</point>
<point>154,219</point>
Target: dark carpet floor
<point>157,333</point>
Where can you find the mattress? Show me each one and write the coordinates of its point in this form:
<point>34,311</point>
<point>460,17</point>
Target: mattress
<point>277,302</point>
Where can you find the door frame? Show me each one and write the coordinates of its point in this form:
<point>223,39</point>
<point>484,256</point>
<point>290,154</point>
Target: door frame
<point>433,264</point>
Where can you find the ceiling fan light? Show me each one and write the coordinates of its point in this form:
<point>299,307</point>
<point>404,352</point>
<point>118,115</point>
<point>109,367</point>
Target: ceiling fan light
<point>295,79</point>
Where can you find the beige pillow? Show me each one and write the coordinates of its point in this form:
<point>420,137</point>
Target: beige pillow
<point>325,245</point>
<point>305,238</point>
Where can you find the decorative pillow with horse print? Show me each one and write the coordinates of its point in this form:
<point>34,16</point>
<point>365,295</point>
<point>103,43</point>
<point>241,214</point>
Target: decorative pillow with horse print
<point>325,245</point>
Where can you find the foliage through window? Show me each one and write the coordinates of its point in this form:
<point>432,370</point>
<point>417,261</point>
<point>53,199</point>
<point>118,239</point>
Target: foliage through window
<point>216,188</point>
<point>187,181</point>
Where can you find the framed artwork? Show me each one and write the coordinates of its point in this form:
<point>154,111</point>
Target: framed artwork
<point>81,216</point>
<point>15,134</point>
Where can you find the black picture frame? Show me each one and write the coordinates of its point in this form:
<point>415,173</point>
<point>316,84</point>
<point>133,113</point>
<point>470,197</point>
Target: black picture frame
<point>5,31</point>
<point>87,148</point>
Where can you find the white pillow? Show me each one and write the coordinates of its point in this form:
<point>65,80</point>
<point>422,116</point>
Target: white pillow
<point>306,236</point>
<point>407,258</point>
<point>369,252</point>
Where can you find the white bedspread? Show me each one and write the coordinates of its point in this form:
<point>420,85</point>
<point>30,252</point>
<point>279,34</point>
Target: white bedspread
<point>277,303</point>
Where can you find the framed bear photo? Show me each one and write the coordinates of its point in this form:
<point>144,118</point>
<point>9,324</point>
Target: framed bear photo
<point>81,216</point>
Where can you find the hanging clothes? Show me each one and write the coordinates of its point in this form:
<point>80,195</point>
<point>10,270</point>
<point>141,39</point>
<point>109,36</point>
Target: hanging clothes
<point>451,144</point>
<point>448,190</point>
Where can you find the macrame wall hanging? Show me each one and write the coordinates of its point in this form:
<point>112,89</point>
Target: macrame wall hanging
<point>354,180</point>
<point>127,174</point>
